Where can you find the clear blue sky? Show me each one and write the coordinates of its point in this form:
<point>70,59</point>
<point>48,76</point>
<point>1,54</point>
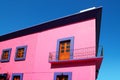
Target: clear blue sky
<point>20,14</point>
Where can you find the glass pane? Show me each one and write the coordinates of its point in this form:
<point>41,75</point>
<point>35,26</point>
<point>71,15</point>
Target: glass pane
<point>67,50</point>
<point>20,53</point>
<point>62,43</point>
<point>67,46</point>
<point>68,43</point>
<point>62,51</point>
<point>62,47</point>
<point>5,55</point>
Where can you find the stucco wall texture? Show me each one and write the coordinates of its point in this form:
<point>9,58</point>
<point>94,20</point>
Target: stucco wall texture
<point>36,65</point>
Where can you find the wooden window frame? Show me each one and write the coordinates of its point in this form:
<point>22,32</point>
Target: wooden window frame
<point>69,74</point>
<point>9,53</point>
<point>17,74</point>
<point>71,46</point>
<point>24,55</point>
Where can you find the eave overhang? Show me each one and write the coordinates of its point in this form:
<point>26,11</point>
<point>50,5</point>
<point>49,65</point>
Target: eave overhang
<point>78,17</point>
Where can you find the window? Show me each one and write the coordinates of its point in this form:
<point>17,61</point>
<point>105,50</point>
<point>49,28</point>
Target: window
<point>20,53</point>
<point>5,57</point>
<point>63,76</point>
<point>65,48</point>
<point>3,76</point>
<point>17,76</point>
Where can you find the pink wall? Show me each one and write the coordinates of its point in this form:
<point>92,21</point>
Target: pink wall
<point>40,44</point>
<point>84,36</point>
<point>78,73</point>
<point>19,66</point>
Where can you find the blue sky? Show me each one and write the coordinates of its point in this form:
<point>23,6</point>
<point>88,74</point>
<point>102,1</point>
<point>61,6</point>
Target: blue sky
<point>20,14</point>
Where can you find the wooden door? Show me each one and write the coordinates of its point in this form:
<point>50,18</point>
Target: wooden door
<point>62,77</point>
<point>64,50</point>
<point>16,78</point>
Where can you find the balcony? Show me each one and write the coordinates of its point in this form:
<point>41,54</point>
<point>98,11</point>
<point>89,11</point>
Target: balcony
<point>78,55</point>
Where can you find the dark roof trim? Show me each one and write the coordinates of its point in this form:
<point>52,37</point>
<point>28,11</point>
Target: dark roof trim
<point>95,13</point>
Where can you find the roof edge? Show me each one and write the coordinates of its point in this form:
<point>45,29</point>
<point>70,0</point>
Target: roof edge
<point>77,17</point>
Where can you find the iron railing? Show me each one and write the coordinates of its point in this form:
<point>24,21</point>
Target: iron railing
<point>81,53</point>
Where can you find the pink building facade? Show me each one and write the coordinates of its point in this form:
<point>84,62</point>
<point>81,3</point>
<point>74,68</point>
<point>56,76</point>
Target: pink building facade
<point>63,49</point>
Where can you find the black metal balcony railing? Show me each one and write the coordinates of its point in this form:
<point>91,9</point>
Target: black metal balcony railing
<point>81,53</point>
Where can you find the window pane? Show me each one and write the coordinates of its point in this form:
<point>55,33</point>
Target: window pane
<point>62,51</point>
<point>20,53</point>
<point>68,43</point>
<point>62,43</point>
<point>67,46</point>
<point>62,47</point>
<point>67,50</point>
<point>5,55</point>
